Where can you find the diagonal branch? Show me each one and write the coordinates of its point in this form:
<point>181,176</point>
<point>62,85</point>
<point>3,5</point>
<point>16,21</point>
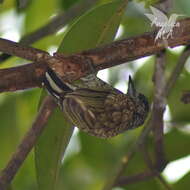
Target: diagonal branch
<point>58,22</point>
<point>158,109</point>
<point>7,174</point>
<point>26,145</point>
<point>177,70</point>
<point>24,52</point>
<point>118,178</point>
<point>146,175</point>
<point>73,67</point>
<point>55,24</point>
<point>153,169</point>
<point>21,77</point>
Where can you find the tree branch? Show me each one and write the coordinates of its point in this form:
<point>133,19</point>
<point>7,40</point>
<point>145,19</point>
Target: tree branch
<point>159,105</point>
<point>27,143</point>
<point>54,25</point>
<point>24,52</point>
<point>21,77</point>
<point>58,22</point>
<point>147,128</point>
<point>178,69</point>
<point>73,67</point>
<point>146,175</point>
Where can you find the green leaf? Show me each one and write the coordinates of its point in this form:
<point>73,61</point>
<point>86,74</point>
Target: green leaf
<point>182,183</point>
<point>174,144</point>
<point>50,148</point>
<point>96,27</point>
<point>181,7</point>
<point>6,6</point>
<point>17,111</point>
<point>65,4</point>
<point>37,15</point>
<point>34,10</point>
<point>181,114</point>
<point>106,157</point>
<point>141,79</point>
<point>9,134</point>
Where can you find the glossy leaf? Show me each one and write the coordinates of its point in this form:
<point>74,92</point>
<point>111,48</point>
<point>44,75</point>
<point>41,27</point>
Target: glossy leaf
<point>9,134</point>
<point>17,112</point>
<point>109,16</point>
<point>65,4</point>
<point>34,11</point>
<point>50,149</point>
<point>175,143</point>
<point>35,19</point>
<point>183,183</point>
<point>96,27</point>
<point>181,114</point>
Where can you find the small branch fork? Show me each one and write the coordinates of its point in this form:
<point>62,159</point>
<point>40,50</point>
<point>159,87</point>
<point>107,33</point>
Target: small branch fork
<point>7,174</point>
<point>71,68</point>
<point>75,66</point>
<point>119,179</point>
<point>54,25</point>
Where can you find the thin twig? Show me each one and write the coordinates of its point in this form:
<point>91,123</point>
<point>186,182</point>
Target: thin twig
<point>153,169</point>
<point>77,65</point>
<point>54,25</point>
<point>159,104</point>
<point>58,22</point>
<point>134,47</point>
<point>147,158</point>
<point>24,52</point>
<point>146,175</point>
<point>148,127</point>
<point>27,143</point>
<point>125,160</point>
<point>164,183</point>
<point>22,3</point>
<point>177,70</point>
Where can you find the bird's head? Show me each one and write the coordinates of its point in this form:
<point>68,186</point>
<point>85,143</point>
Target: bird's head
<point>142,106</point>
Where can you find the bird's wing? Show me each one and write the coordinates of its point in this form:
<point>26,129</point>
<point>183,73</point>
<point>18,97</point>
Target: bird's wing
<point>161,18</point>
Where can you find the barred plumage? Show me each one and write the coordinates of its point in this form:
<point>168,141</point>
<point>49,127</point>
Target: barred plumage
<point>102,112</point>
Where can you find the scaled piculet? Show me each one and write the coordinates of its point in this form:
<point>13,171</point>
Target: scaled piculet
<point>96,107</point>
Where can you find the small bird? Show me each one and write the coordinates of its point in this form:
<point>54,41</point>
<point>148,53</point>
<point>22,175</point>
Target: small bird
<point>160,20</point>
<point>102,111</point>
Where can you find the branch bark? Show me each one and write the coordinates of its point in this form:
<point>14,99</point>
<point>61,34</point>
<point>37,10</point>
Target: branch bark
<point>159,105</point>
<point>118,178</point>
<point>27,143</point>
<point>146,175</point>
<point>73,67</point>
<point>55,24</point>
<point>58,21</point>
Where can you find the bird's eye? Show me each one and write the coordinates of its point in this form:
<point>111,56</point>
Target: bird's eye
<point>144,100</point>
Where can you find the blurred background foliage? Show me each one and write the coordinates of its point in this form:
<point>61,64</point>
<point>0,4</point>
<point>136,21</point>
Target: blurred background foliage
<point>90,161</point>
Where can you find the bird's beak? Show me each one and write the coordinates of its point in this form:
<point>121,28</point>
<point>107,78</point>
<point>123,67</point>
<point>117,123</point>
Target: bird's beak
<point>131,88</point>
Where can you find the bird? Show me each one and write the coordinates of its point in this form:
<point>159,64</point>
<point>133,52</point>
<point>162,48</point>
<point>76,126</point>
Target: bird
<point>99,110</point>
